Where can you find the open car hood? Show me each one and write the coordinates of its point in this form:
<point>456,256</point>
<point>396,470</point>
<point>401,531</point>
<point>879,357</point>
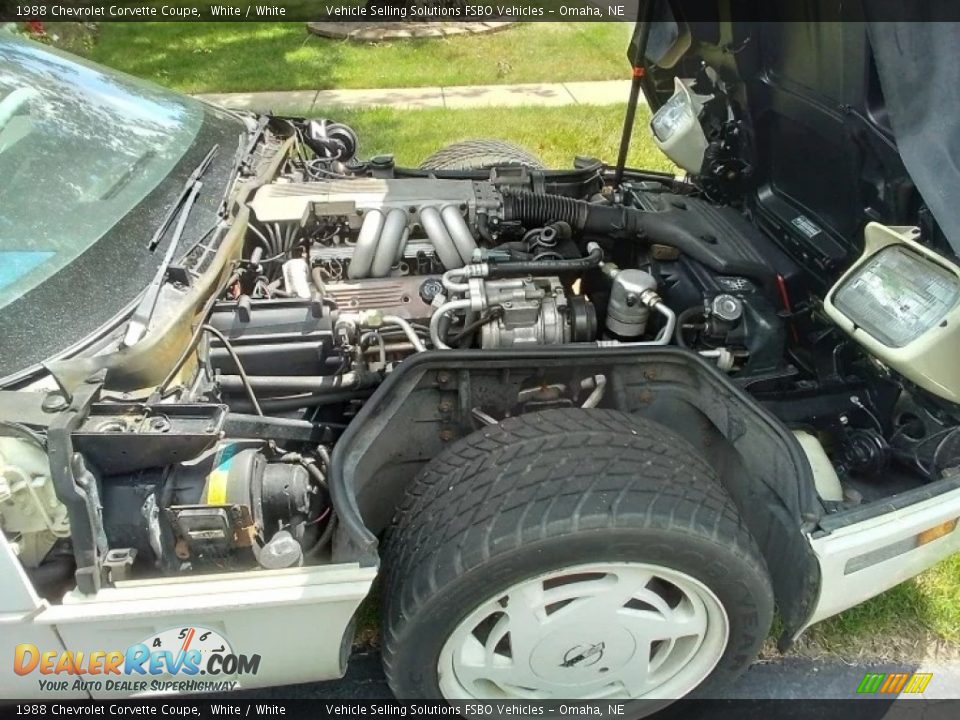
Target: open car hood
<point>920,77</point>
<point>848,118</point>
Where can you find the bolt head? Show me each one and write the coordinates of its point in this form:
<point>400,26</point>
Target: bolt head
<point>54,402</point>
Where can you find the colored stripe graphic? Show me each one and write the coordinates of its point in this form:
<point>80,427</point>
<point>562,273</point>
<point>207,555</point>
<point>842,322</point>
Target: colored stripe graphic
<point>894,683</point>
<point>918,683</point>
<point>871,682</point>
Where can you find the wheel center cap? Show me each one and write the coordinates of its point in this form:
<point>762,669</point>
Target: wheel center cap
<point>583,655</point>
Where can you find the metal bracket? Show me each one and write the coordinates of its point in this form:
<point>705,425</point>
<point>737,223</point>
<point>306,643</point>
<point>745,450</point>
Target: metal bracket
<point>76,487</point>
<point>118,563</point>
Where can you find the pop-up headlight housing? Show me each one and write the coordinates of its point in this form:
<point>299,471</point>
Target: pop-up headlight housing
<point>901,301</point>
<point>676,128</point>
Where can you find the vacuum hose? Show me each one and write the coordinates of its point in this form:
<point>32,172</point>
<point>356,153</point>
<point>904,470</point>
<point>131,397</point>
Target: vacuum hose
<point>548,267</point>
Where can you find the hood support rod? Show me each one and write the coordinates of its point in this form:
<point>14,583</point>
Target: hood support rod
<point>645,15</point>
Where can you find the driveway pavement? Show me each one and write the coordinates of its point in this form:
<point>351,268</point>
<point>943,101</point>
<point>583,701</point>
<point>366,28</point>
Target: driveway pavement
<point>787,679</point>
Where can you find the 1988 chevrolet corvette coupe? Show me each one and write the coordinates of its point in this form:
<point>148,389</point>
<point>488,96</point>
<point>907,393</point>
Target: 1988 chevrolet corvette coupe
<point>590,426</point>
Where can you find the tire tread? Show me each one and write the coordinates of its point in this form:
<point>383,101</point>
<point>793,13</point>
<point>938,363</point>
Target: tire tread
<point>479,153</point>
<point>498,489</point>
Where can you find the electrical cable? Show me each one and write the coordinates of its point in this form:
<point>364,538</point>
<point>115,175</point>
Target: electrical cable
<point>8,427</point>
<point>236,360</point>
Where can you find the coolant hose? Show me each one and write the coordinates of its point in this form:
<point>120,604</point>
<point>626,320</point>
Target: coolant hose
<point>549,267</point>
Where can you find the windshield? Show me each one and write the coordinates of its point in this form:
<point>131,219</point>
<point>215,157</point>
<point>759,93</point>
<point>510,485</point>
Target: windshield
<point>79,149</point>
<point>91,162</point>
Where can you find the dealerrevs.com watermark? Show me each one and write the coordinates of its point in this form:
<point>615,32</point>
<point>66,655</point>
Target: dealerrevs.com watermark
<point>190,659</point>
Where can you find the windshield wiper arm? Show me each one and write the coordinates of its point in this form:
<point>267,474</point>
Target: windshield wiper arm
<point>195,176</point>
<point>140,318</point>
<point>242,161</point>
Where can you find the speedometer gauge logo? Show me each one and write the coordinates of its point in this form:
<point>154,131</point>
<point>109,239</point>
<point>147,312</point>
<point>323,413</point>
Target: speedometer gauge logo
<point>202,643</point>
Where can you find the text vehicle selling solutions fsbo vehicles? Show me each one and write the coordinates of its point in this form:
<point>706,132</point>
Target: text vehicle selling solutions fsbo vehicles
<point>591,426</point>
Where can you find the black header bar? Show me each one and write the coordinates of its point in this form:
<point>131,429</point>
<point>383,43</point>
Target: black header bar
<point>401,11</point>
<point>238,706</point>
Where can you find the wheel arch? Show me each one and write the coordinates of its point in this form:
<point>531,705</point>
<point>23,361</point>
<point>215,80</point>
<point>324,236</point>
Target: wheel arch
<point>427,402</point>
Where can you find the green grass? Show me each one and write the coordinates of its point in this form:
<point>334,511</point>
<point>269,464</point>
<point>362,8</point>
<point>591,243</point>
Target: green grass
<point>918,617</point>
<point>367,620</point>
<point>241,57</point>
<point>554,134</point>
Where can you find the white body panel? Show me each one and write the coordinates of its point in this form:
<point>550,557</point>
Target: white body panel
<point>19,605</point>
<point>928,360</point>
<point>294,619</point>
<point>864,545</point>
<point>16,592</point>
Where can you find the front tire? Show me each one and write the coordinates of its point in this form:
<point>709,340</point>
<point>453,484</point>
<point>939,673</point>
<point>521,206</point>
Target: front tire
<point>570,554</point>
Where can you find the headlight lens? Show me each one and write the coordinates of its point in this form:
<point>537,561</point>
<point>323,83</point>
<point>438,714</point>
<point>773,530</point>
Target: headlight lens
<point>675,113</point>
<point>897,296</point>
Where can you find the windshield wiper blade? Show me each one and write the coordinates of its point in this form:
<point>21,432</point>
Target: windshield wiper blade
<point>140,319</point>
<point>177,206</point>
<point>142,314</point>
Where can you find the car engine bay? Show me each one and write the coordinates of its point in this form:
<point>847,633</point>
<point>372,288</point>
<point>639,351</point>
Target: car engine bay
<point>349,268</point>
